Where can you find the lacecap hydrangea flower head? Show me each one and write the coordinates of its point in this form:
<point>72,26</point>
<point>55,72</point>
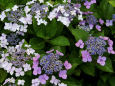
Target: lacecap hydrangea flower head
<point>16,60</point>
<point>96,46</point>
<point>49,65</point>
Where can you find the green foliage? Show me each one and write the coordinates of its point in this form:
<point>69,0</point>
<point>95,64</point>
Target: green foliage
<point>60,41</point>
<point>3,75</point>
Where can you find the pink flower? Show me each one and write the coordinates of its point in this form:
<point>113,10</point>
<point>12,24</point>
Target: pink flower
<point>59,53</point>
<point>86,56</point>
<point>50,51</point>
<point>80,44</point>
<point>101,21</point>
<point>101,60</point>
<point>110,50</point>
<point>67,65</point>
<point>63,74</point>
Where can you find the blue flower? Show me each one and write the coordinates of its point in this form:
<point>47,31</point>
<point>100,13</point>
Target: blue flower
<point>95,46</point>
<point>51,63</point>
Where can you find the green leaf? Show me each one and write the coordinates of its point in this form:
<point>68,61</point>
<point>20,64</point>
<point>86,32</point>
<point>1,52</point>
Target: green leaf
<point>112,81</point>
<point>45,32</point>
<point>80,34</point>
<point>60,41</point>
<point>108,66</point>
<point>88,68</point>
<point>3,75</point>
<point>36,43</point>
<point>112,2</point>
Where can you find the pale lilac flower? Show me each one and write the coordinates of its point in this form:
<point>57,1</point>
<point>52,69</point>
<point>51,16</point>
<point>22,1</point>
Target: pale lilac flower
<point>35,82</point>
<point>54,80</point>
<point>11,80</point>
<point>62,84</point>
<point>27,9</point>
<point>86,56</point>
<point>91,26</point>
<point>69,1</point>
<point>26,67</point>
<point>98,27</point>
<point>101,60</point>
<point>101,21</point>
<point>67,65</point>
<point>62,74</point>
<point>2,16</point>
<point>59,53</point>
<point>15,8</point>
<point>43,78</point>
<point>30,51</point>
<point>19,72</point>
<point>21,82</point>
<point>109,23</point>
<point>80,44</point>
<point>26,20</point>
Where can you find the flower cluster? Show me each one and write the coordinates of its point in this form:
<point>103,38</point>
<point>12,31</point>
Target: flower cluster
<point>96,46</point>
<point>50,64</point>
<point>65,13</point>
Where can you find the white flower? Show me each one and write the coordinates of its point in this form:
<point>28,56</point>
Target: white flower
<point>27,19</point>
<point>7,10</point>
<point>26,67</point>
<point>54,80</point>
<point>12,70</point>
<point>2,16</point>
<point>41,1</point>
<point>62,84</point>
<point>11,80</point>
<point>64,20</point>
<point>73,12</point>
<point>3,41</point>
<point>49,4</point>
<point>28,46</point>
<point>52,14</point>
<point>23,28</point>
<point>27,9</point>
<point>80,17</point>
<point>30,51</point>
<point>15,8</point>
<point>11,26</point>
<point>21,82</point>
<point>19,72</point>
<point>64,1</point>
<point>35,82</point>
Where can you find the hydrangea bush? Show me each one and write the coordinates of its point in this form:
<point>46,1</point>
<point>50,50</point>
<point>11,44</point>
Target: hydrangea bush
<point>57,42</point>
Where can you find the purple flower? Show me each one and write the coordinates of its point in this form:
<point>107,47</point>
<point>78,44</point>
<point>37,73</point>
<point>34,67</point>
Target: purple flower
<point>110,50</point>
<point>82,22</point>
<point>104,38</point>
<point>109,23</point>
<point>62,74</point>
<point>110,42</point>
<point>80,44</point>
<point>93,1</point>
<point>43,78</point>
<point>101,21</point>
<point>98,27</point>
<point>67,65</point>
<point>87,4</point>
<point>86,56</point>
<point>101,60</point>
